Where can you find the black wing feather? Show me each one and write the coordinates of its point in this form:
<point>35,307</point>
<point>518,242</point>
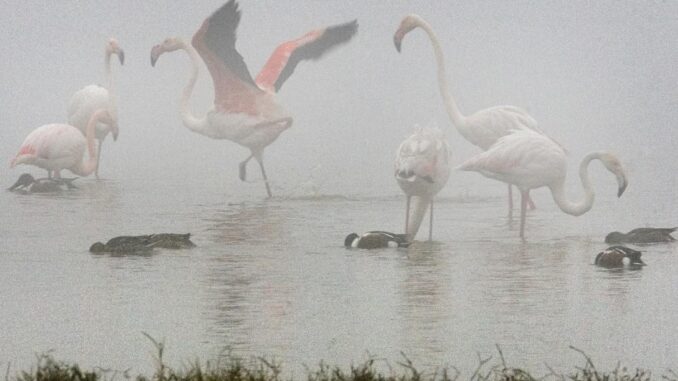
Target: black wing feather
<point>332,37</point>
<point>220,38</point>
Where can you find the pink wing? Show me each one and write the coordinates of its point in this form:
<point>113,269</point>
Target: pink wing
<point>49,141</point>
<point>310,46</point>
<point>234,88</point>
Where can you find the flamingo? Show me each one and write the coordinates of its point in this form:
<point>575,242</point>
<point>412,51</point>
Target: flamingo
<point>531,160</point>
<point>484,127</point>
<point>94,97</point>
<point>245,110</point>
<point>61,146</point>
<point>422,170</point>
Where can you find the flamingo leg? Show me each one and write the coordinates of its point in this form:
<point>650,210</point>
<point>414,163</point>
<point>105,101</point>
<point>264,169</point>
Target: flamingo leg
<point>242,168</point>
<point>530,203</point>
<point>430,223</point>
<point>49,173</point>
<point>96,170</point>
<point>57,175</point>
<point>263,173</point>
<point>524,196</point>
<point>407,216</point>
<point>510,201</point>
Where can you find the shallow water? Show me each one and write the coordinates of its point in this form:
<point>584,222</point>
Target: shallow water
<point>270,277</point>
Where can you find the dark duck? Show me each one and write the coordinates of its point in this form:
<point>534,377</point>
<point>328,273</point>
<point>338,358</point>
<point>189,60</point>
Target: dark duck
<point>642,235</point>
<point>143,243</point>
<point>28,184</point>
<point>619,256</point>
<point>376,240</point>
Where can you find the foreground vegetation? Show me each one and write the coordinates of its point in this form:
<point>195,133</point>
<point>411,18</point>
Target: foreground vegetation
<point>232,368</point>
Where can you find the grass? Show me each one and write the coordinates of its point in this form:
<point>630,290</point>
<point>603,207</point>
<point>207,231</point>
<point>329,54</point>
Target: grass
<point>232,368</point>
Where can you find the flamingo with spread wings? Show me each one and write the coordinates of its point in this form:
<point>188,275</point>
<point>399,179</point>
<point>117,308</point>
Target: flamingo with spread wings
<point>245,110</point>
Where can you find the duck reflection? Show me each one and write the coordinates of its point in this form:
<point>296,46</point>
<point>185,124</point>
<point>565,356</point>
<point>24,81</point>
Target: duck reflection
<point>426,303</point>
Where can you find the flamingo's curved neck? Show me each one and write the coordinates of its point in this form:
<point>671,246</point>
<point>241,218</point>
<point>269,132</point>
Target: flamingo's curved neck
<point>192,122</point>
<point>576,208</point>
<point>450,105</point>
<point>88,166</point>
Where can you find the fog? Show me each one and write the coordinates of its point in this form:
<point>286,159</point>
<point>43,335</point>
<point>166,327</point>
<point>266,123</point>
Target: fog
<point>595,75</point>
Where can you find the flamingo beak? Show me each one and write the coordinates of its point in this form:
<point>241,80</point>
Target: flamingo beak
<point>397,40</point>
<point>155,53</point>
<point>121,56</point>
<point>114,130</point>
<point>623,183</point>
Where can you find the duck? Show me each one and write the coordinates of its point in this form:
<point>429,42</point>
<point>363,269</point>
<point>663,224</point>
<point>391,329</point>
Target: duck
<point>28,184</point>
<point>613,257</point>
<point>642,235</point>
<point>143,243</point>
<point>376,240</point>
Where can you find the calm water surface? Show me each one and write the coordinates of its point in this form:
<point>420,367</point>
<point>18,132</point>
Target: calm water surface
<point>270,277</point>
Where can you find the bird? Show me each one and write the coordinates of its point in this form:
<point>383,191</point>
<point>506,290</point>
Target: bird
<point>55,147</point>
<point>245,109</point>
<point>482,128</point>
<point>376,240</point>
<point>642,235</point>
<point>531,160</point>
<point>422,169</point>
<point>615,256</point>
<point>94,97</point>
<point>28,184</point>
<point>142,243</point>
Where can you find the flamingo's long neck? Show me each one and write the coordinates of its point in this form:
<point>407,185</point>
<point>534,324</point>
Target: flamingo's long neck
<point>450,105</point>
<point>191,122</point>
<point>576,208</point>
<point>112,101</point>
<point>419,207</point>
<point>88,166</point>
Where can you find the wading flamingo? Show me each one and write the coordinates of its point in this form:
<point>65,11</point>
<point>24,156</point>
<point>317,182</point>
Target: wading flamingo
<point>245,110</point>
<point>422,170</point>
<point>484,127</point>
<point>531,160</point>
<point>61,146</point>
<point>94,97</point>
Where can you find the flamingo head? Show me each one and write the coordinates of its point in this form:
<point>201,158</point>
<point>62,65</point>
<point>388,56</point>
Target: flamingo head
<point>24,180</point>
<point>406,25</point>
<point>613,165</point>
<point>114,48</point>
<point>169,45</point>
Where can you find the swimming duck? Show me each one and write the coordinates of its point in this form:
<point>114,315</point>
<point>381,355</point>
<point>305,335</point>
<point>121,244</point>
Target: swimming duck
<point>642,235</point>
<point>614,257</point>
<point>376,240</point>
<point>28,184</point>
<point>142,243</point>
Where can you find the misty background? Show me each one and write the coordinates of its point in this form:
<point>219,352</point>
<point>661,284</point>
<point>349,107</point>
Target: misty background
<point>598,75</point>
